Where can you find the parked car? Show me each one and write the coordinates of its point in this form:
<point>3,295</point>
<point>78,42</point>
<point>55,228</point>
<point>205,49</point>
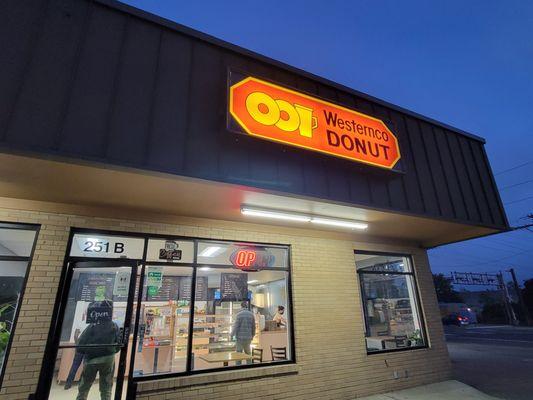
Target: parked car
<point>455,319</point>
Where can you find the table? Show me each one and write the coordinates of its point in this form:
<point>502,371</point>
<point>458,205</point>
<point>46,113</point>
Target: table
<point>225,357</point>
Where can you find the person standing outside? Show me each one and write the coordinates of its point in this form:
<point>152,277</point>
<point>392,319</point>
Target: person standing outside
<point>100,359</point>
<point>244,330</point>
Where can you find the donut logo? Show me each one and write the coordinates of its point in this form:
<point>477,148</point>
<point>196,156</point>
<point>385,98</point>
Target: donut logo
<point>271,112</point>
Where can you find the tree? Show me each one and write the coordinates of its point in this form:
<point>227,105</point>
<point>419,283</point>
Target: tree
<point>527,293</point>
<point>445,291</point>
<point>494,313</point>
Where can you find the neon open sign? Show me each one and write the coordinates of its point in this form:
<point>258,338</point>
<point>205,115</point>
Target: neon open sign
<point>245,258</point>
<point>252,258</point>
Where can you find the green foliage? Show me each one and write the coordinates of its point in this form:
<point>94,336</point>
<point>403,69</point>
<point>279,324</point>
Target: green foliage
<point>445,291</point>
<point>494,313</point>
<point>4,331</point>
<point>416,337</point>
<point>4,339</point>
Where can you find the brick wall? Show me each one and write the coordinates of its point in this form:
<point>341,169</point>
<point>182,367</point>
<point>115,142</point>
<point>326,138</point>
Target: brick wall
<point>331,357</point>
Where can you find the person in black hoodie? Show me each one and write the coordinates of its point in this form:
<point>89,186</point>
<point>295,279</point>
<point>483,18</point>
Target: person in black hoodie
<point>99,359</point>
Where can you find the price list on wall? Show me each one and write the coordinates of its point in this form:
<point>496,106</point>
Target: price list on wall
<point>234,287</point>
<point>201,288</point>
<point>168,290</point>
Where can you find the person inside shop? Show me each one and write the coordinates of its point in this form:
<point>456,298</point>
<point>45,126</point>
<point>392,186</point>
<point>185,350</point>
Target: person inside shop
<point>76,362</point>
<point>279,319</point>
<point>98,359</point>
<point>243,330</point>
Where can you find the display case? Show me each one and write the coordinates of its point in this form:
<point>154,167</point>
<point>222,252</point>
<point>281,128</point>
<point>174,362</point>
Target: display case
<point>157,319</point>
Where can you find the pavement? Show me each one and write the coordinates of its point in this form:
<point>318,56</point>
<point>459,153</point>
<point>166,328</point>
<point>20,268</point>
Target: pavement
<point>497,360</point>
<point>489,362</point>
<point>447,390</point>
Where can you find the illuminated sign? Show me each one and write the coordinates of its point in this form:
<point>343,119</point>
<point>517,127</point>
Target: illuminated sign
<point>275,113</point>
<point>245,258</point>
<point>252,258</point>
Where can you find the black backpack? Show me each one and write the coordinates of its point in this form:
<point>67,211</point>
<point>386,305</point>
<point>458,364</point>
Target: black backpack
<point>107,335</point>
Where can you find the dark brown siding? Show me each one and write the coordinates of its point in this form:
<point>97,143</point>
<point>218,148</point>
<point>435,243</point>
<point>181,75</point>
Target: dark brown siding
<point>87,80</point>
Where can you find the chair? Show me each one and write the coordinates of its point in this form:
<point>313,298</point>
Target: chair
<point>278,353</point>
<point>401,340</point>
<point>257,356</point>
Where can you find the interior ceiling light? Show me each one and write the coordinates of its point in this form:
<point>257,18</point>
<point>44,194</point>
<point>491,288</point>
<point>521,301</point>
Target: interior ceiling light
<point>210,251</point>
<point>342,223</point>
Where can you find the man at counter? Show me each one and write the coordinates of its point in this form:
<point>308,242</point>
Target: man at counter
<point>244,329</point>
<point>279,318</point>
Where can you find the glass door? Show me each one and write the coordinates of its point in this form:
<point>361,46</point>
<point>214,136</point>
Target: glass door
<point>93,351</point>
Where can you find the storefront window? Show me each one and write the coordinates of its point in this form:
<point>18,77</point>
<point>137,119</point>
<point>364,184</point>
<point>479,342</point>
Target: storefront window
<point>164,321</point>
<point>16,244</point>
<point>240,317</point>
<point>195,305</point>
<point>390,302</point>
<point>241,307</point>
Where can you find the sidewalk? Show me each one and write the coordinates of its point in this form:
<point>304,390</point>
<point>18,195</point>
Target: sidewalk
<point>447,390</point>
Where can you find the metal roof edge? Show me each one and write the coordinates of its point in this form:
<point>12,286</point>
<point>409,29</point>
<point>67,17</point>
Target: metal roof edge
<point>115,4</point>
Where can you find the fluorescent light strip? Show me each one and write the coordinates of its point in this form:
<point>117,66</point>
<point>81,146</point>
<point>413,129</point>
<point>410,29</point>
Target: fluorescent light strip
<point>275,214</point>
<point>342,223</point>
<point>337,222</point>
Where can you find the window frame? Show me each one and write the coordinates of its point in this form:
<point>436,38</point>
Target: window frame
<point>417,299</point>
<point>50,353</point>
<point>28,259</point>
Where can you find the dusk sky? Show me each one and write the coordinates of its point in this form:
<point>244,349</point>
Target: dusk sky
<point>467,64</point>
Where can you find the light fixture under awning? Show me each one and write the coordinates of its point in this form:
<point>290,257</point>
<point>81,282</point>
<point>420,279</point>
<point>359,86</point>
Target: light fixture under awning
<point>316,219</point>
<point>254,212</point>
<point>343,223</point>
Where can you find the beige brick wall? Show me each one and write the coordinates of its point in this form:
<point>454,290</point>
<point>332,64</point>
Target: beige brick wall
<point>331,356</point>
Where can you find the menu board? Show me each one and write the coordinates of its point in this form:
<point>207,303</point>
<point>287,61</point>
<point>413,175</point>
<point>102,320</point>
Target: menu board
<point>233,287</point>
<point>168,290</point>
<point>201,288</point>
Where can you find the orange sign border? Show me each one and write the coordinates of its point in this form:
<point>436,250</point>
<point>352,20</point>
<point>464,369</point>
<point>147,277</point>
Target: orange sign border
<point>243,126</point>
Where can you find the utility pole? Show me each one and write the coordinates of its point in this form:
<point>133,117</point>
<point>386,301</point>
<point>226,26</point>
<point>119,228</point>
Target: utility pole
<point>511,317</point>
<point>485,279</point>
<point>520,298</point>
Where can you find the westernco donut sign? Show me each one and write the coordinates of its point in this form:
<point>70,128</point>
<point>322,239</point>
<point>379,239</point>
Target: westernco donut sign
<point>275,113</point>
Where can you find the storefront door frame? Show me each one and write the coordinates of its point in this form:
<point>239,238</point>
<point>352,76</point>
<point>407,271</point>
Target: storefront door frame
<point>44,387</point>
<point>50,354</point>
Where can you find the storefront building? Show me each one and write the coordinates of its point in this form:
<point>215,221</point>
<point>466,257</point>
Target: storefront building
<point>181,218</point>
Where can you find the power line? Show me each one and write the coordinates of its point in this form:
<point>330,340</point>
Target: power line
<point>513,168</point>
<point>518,201</point>
<point>516,184</point>
<point>462,257</point>
<point>494,261</point>
<point>500,241</point>
<point>497,244</point>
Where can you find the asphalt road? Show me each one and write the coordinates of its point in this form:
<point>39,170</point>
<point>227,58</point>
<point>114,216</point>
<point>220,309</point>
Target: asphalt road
<point>497,360</point>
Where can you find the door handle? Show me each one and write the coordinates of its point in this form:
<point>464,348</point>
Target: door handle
<point>125,336</point>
